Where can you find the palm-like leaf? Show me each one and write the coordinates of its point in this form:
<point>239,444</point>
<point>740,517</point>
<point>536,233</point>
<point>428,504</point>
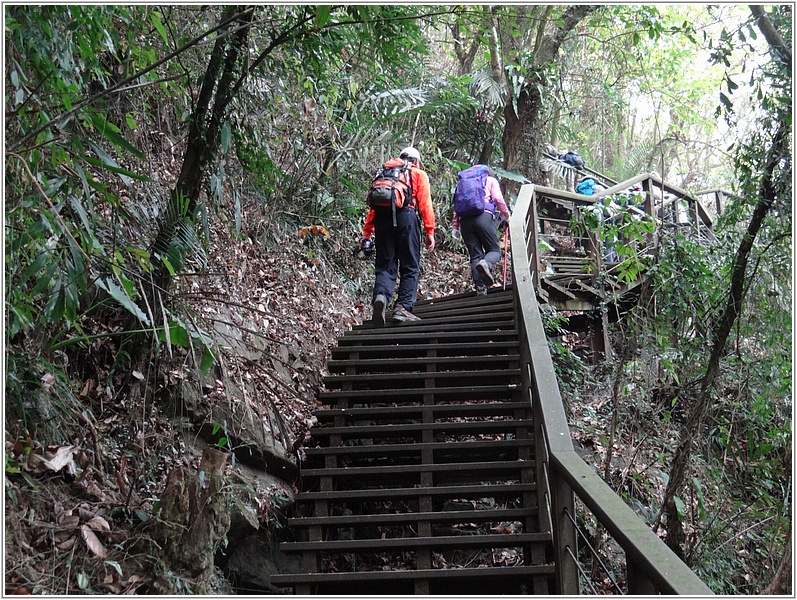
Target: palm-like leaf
<point>486,89</point>
<point>555,167</point>
<point>390,102</point>
<point>177,236</point>
<point>637,160</point>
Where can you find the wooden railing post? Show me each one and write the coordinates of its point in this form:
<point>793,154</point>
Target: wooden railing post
<point>534,241</point>
<point>638,583</point>
<point>564,535</point>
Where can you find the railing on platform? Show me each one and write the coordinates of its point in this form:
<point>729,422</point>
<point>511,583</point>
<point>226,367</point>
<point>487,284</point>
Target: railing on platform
<point>668,203</point>
<point>579,266</point>
<point>651,567</point>
<point>665,202</point>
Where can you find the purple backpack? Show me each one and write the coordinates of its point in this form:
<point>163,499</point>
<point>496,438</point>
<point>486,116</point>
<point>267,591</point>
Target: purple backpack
<point>469,195</point>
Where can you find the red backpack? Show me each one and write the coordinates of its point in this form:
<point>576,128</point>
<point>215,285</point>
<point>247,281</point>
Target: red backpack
<point>392,186</point>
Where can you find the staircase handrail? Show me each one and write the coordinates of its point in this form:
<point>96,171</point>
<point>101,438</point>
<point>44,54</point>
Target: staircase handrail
<point>651,566</point>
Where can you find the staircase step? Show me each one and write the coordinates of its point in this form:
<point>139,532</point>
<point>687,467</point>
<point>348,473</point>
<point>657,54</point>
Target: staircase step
<point>465,300</point>
<point>440,378</point>
<point>441,322</point>
<point>444,312</point>
<point>431,411</point>
<point>455,348</point>
<point>500,574</point>
<point>473,392</point>
<point>414,334</point>
<point>476,467</point>
<point>446,491</point>
<point>407,543</point>
<point>393,430</point>
<point>442,516</point>
<point>422,363</point>
<point>448,448</point>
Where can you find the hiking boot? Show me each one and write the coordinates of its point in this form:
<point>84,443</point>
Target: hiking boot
<point>378,318</point>
<point>401,314</point>
<point>481,290</point>
<point>484,270</point>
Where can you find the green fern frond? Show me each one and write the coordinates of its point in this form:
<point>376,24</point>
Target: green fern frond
<point>555,167</point>
<point>177,235</point>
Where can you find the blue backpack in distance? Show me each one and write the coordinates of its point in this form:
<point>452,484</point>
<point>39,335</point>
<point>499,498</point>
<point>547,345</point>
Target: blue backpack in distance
<point>469,195</point>
<point>586,187</point>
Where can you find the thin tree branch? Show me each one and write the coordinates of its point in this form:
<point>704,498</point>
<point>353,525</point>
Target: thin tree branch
<point>82,104</point>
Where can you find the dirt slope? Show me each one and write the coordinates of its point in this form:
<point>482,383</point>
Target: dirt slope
<point>77,522</point>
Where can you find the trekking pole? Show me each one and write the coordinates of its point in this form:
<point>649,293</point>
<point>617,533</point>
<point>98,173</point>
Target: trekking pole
<point>506,229</point>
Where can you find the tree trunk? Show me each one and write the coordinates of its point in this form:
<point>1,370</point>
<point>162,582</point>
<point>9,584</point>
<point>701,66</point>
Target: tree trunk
<point>207,118</point>
<point>227,58</point>
<point>780,585</point>
<point>521,139</point>
<point>195,515</point>
<point>464,49</point>
<point>523,133</point>
<point>719,336</point>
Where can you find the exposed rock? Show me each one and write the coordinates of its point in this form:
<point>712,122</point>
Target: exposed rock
<point>252,554</point>
<point>195,516</point>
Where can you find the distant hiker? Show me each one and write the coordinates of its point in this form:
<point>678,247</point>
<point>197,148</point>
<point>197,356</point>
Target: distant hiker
<point>400,190</point>
<point>589,187</point>
<point>586,186</point>
<point>573,159</point>
<point>476,200</point>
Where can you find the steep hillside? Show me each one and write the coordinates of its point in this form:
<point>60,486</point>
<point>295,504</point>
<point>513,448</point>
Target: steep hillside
<point>89,514</point>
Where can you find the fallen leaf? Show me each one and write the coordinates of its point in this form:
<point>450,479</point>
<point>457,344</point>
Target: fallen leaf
<point>68,520</point>
<point>48,380</point>
<point>67,545</point>
<point>99,524</point>
<point>93,542</point>
<point>62,458</point>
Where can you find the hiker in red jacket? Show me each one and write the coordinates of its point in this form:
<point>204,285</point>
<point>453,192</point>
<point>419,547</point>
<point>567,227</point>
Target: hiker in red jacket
<point>480,237</point>
<point>398,245</point>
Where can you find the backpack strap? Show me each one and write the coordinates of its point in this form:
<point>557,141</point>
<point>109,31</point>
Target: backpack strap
<point>489,205</point>
<point>410,200</point>
<point>413,202</point>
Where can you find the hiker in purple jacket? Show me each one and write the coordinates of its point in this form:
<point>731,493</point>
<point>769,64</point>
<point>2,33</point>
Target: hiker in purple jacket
<point>480,237</point>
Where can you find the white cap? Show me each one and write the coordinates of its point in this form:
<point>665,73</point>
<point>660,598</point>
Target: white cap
<point>410,152</point>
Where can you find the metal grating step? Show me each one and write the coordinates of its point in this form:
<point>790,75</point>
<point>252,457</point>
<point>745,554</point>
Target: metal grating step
<point>458,348</point>
<point>435,411</point>
<point>412,333</point>
<point>443,516</point>
<point>438,378</point>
